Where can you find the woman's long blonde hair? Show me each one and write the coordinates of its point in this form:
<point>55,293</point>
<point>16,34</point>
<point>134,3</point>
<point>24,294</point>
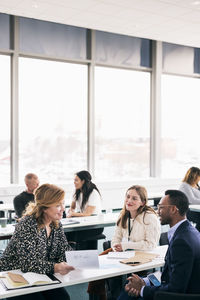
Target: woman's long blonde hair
<point>46,195</point>
<point>192,175</point>
<point>124,215</point>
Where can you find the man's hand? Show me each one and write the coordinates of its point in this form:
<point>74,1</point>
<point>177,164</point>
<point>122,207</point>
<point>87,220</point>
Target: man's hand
<point>133,287</point>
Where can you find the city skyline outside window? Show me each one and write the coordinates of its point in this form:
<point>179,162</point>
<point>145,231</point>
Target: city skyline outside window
<point>179,125</point>
<point>5,119</point>
<point>122,124</point>
<point>52,119</point>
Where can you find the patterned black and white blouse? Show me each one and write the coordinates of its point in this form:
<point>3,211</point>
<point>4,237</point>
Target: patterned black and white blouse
<point>32,251</point>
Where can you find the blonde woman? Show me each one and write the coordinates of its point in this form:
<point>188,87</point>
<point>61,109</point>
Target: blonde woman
<point>39,243</point>
<point>190,185</point>
<point>138,226</point>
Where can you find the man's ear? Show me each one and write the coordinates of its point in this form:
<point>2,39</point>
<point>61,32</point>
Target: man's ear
<point>175,209</point>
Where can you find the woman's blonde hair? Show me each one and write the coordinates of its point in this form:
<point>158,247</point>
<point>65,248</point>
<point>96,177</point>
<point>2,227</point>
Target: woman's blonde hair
<point>46,195</point>
<point>192,175</point>
<point>125,214</point>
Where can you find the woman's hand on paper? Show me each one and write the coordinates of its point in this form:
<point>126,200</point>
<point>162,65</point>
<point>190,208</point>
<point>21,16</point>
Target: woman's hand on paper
<point>63,268</point>
<point>117,247</point>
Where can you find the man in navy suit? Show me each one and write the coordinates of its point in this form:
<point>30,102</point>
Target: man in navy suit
<point>182,261</point>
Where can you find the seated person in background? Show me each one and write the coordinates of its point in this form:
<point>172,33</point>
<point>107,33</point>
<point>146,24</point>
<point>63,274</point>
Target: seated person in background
<point>22,200</point>
<point>86,202</point>
<point>86,199</point>
<point>138,226</point>
<point>182,261</point>
<point>190,187</point>
<point>39,243</point>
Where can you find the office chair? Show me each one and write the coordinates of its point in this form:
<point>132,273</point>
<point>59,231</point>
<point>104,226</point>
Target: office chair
<point>163,239</point>
<point>88,239</point>
<point>92,241</point>
<point>175,296</point>
<point>2,214</point>
<point>106,245</point>
<point>193,216</point>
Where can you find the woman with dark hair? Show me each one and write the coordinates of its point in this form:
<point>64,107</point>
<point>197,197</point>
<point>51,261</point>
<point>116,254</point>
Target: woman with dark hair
<point>138,226</point>
<point>86,202</point>
<point>38,244</point>
<point>190,185</point>
<point>86,199</point>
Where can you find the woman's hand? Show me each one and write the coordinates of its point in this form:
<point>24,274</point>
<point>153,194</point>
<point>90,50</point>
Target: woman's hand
<point>117,247</point>
<point>70,213</point>
<point>62,268</point>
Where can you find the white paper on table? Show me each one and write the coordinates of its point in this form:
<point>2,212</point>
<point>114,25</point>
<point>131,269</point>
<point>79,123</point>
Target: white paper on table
<point>121,255</point>
<point>83,259</point>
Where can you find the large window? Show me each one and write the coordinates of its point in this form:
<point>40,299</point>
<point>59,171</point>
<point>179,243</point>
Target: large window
<point>52,119</point>
<point>180,125</point>
<point>122,124</point>
<point>5,119</point>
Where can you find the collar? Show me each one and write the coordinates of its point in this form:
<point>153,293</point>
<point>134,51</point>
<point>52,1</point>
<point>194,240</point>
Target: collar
<point>172,230</point>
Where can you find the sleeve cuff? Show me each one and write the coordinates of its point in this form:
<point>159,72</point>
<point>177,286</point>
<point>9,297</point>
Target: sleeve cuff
<point>147,283</point>
<point>146,280</point>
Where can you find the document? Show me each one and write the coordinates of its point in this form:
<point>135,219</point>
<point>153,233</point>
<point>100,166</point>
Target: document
<point>68,221</point>
<point>17,279</point>
<point>139,258</point>
<point>83,259</point>
<point>121,255</point>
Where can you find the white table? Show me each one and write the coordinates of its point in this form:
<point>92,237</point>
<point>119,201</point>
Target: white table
<point>92,222</point>
<point>85,224</point>
<point>7,232</point>
<point>108,268</point>
<point>9,209</point>
<point>194,207</point>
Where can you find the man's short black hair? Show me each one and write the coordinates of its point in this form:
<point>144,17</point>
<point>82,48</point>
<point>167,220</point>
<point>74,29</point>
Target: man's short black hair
<point>179,199</point>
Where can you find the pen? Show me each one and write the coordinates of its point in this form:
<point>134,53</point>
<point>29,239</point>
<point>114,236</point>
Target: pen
<point>133,262</point>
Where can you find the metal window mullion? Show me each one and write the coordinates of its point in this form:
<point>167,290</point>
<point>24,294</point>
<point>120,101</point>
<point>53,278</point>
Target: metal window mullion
<point>14,103</point>
<point>155,126</point>
<point>91,108</point>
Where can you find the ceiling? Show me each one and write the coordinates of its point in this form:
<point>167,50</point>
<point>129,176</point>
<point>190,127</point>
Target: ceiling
<point>174,21</point>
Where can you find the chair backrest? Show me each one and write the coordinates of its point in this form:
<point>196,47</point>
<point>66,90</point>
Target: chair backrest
<point>175,296</point>
<point>2,214</point>
<point>163,239</point>
<point>106,245</point>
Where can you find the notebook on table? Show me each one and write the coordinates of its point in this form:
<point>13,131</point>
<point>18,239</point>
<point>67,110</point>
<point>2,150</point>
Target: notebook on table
<point>17,279</point>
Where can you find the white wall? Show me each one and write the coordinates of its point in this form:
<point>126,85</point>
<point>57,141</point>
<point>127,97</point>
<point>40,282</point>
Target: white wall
<point>112,192</point>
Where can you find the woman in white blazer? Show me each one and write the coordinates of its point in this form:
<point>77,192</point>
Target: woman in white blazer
<point>138,226</point>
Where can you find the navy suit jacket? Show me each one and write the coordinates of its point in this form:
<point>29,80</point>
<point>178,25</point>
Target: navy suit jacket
<point>181,273</point>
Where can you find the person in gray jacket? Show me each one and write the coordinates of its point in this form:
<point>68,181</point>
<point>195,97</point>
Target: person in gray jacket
<point>190,187</point>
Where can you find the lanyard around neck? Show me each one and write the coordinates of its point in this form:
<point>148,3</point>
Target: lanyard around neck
<point>129,226</point>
